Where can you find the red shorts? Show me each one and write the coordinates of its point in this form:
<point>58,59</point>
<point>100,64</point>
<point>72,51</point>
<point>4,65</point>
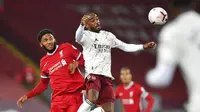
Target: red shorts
<point>66,103</point>
<point>103,85</point>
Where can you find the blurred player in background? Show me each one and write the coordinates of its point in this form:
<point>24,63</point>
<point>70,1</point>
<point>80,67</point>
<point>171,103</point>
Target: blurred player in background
<point>97,46</point>
<point>59,66</point>
<point>179,44</point>
<point>130,93</point>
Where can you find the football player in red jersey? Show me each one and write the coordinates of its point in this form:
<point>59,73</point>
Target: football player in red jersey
<point>59,67</point>
<point>130,93</point>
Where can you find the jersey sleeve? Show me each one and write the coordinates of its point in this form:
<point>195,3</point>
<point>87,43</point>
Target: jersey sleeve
<point>42,86</point>
<point>169,54</point>
<point>43,74</point>
<point>76,54</point>
<point>169,47</point>
<point>144,93</point>
<point>116,43</point>
<point>81,35</point>
<point>117,92</point>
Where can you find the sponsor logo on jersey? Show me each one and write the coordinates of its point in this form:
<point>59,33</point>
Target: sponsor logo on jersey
<point>57,66</point>
<point>102,47</point>
<point>128,101</point>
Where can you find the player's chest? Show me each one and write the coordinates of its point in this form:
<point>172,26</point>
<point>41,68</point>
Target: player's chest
<point>57,61</point>
<point>129,97</point>
<point>100,43</point>
<point>129,94</point>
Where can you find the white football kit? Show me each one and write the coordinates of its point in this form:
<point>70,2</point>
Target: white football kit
<point>179,44</point>
<point>97,50</point>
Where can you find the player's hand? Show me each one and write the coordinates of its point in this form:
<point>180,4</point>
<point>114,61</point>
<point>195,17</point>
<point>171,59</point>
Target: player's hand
<point>72,66</point>
<point>21,101</point>
<point>84,20</point>
<point>149,45</point>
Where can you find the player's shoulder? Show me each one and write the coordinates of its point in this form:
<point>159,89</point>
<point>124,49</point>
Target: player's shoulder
<point>110,34</point>
<point>66,44</point>
<point>43,59</point>
<point>119,86</point>
<point>137,85</point>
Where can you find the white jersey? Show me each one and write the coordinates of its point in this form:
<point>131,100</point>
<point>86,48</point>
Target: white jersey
<point>97,50</point>
<point>179,44</point>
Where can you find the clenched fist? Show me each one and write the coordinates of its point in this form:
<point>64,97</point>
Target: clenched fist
<point>149,45</point>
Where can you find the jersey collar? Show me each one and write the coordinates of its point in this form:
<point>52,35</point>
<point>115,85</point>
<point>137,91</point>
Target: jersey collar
<point>53,51</point>
<point>129,86</point>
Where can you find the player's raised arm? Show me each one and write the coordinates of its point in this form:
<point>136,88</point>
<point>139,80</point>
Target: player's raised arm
<point>145,95</point>
<point>79,32</point>
<point>131,47</point>
<point>169,54</point>
<point>42,86</point>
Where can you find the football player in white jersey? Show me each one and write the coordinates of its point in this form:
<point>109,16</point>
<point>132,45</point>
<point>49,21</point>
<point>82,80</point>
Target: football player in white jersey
<point>179,44</point>
<point>97,46</point>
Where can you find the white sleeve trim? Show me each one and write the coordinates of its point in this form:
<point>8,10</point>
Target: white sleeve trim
<point>79,55</point>
<point>44,76</point>
<point>144,93</point>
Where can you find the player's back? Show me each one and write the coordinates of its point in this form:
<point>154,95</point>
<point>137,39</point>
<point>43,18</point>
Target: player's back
<point>184,33</point>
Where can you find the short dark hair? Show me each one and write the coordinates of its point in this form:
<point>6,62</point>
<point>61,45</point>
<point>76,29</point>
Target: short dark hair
<point>181,3</point>
<point>125,68</point>
<point>43,32</point>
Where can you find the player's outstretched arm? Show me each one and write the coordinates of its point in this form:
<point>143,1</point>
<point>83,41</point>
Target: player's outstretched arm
<point>150,102</point>
<point>80,30</point>
<point>131,47</point>
<point>42,86</point>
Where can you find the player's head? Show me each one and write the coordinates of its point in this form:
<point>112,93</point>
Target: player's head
<point>93,23</point>
<point>125,75</point>
<point>47,40</point>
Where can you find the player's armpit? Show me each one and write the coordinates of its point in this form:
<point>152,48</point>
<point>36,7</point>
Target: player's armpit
<point>150,101</point>
<point>42,86</point>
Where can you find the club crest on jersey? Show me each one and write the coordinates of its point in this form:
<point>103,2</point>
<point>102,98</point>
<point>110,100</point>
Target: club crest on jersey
<point>61,53</point>
<point>120,94</point>
<point>131,94</point>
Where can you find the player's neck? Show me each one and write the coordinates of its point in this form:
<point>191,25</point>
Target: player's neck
<point>127,85</point>
<point>50,52</point>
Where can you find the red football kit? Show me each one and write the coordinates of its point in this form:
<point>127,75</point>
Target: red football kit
<point>131,95</point>
<point>66,96</point>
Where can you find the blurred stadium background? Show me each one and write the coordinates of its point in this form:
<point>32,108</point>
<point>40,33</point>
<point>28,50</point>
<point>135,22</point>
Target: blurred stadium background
<point>21,20</point>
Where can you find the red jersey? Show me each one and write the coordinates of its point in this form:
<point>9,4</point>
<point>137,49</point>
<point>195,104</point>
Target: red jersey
<point>55,67</point>
<point>131,95</point>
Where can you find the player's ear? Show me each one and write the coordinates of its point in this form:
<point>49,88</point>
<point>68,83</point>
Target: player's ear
<point>41,45</point>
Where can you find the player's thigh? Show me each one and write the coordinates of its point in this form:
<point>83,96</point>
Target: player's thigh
<point>106,94</point>
<point>108,107</point>
<point>93,86</point>
<point>57,109</point>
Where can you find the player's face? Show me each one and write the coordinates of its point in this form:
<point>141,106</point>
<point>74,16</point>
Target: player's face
<point>126,76</point>
<point>93,23</point>
<point>48,42</point>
